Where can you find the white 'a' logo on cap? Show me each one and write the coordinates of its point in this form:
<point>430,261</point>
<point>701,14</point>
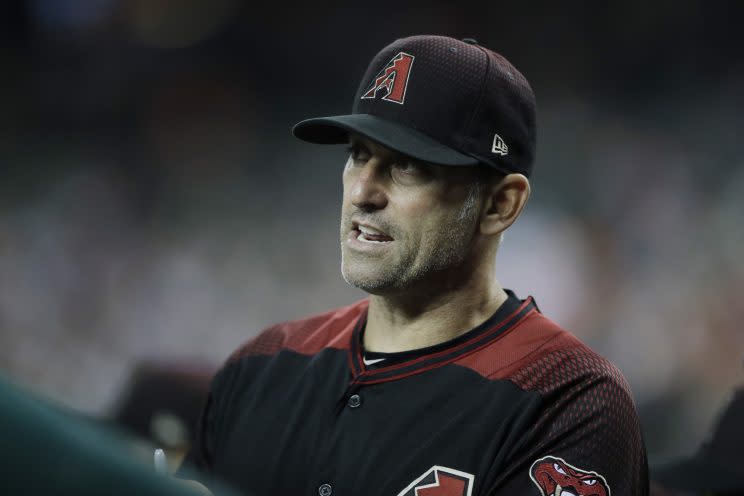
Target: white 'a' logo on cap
<point>499,146</point>
<point>392,80</point>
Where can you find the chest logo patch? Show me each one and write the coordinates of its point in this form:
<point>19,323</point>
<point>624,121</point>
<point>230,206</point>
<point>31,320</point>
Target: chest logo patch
<point>555,477</point>
<point>441,481</point>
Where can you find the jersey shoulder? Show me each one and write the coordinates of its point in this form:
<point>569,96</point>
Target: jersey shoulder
<point>561,361</point>
<point>539,355</point>
<point>307,335</point>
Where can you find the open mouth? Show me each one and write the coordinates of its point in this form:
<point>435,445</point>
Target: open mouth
<point>369,234</point>
<point>559,491</point>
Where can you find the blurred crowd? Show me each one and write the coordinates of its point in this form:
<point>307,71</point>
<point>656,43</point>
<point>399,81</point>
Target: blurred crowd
<point>153,205</point>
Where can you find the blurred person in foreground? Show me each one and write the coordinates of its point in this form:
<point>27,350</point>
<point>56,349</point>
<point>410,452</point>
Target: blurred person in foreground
<point>716,468</point>
<point>47,450</point>
<point>441,382</point>
<point>161,403</point>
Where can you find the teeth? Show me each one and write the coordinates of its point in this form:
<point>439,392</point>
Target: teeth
<point>365,240</point>
<point>367,230</point>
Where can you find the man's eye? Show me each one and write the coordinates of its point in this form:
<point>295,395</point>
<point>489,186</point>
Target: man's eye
<point>357,153</point>
<point>408,167</point>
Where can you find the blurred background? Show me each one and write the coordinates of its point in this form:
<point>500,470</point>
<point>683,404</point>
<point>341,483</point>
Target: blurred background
<point>155,211</point>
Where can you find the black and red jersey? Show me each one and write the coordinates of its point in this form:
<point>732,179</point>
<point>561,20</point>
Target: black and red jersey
<point>515,406</point>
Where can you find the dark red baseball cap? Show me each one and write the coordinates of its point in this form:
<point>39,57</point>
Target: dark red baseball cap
<point>440,100</point>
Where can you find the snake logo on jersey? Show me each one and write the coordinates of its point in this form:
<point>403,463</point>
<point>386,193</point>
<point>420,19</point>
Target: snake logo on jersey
<point>555,477</point>
<point>441,481</point>
<point>391,82</point>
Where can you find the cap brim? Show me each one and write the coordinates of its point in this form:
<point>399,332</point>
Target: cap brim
<point>696,474</point>
<point>335,130</point>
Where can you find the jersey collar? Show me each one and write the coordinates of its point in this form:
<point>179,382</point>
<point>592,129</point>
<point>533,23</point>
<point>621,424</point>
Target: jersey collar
<point>512,311</point>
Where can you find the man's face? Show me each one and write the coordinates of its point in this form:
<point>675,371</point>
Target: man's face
<point>403,220</point>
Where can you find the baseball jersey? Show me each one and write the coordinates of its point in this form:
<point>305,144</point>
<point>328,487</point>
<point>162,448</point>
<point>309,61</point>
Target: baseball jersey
<point>515,406</point>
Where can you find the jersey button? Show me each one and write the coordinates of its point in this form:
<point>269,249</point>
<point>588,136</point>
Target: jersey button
<point>325,490</point>
<point>354,401</point>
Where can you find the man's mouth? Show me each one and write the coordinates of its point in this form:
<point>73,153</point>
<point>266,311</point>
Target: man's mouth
<point>368,234</point>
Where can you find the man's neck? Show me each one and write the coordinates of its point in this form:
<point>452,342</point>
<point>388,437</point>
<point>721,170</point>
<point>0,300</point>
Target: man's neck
<point>397,324</point>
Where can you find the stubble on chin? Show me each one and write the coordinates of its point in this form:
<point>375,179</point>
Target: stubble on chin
<point>413,261</point>
<point>367,275</point>
<point>406,268</point>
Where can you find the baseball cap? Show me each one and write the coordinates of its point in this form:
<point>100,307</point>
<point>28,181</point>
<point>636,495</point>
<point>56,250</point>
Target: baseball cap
<point>440,100</point>
<point>718,465</point>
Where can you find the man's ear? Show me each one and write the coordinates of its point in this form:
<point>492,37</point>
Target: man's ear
<point>504,202</point>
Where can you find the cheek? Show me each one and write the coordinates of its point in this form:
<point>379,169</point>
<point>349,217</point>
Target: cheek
<point>424,222</point>
<point>345,191</point>
<point>412,211</point>
<point>417,204</point>
<point>347,184</point>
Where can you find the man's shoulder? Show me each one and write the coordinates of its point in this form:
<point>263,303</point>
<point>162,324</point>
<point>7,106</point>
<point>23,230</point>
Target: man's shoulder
<point>307,335</point>
<point>563,360</point>
<point>539,355</point>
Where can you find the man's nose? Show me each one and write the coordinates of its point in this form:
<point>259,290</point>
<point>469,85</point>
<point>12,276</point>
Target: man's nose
<point>368,190</point>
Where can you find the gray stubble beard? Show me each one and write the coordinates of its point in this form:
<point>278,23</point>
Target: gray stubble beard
<point>448,252</point>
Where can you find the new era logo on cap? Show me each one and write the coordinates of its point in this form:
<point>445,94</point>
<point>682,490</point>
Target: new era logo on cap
<point>392,79</point>
<point>499,146</point>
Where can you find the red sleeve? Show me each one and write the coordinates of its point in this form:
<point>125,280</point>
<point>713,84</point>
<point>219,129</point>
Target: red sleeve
<point>586,438</point>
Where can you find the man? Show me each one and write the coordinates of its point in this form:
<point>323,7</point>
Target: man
<point>441,383</point>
